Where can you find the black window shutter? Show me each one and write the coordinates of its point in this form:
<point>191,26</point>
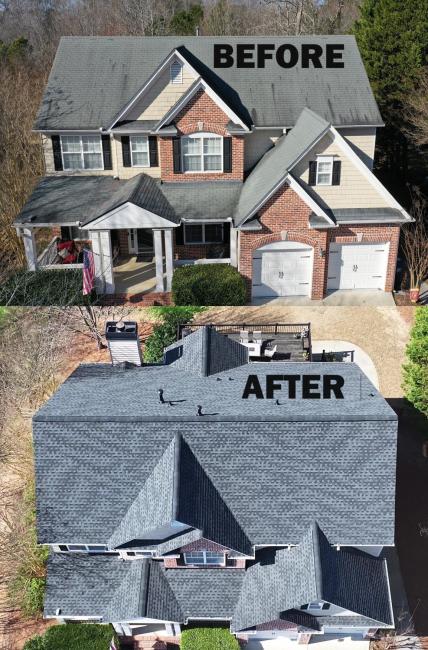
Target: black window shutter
<point>176,152</point>
<point>126,151</point>
<point>336,172</point>
<point>226,232</point>
<point>153,151</point>
<point>313,172</point>
<point>56,148</point>
<point>105,140</point>
<point>227,155</point>
<point>179,235</point>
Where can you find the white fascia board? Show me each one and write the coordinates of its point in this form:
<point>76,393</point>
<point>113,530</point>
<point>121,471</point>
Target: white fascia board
<point>367,173</point>
<point>338,126</point>
<point>189,94</point>
<point>315,207</point>
<point>136,214</point>
<point>150,81</point>
<point>59,131</point>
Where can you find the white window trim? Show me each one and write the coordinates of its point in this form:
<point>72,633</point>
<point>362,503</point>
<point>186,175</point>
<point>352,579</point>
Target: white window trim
<point>103,548</point>
<point>179,79</point>
<point>204,563</point>
<point>83,168</point>
<point>201,136</point>
<point>325,159</point>
<point>196,243</point>
<point>132,152</point>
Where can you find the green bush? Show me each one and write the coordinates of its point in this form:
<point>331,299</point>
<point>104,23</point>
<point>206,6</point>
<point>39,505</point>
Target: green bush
<point>44,288</point>
<point>208,638</point>
<point>208,284</point>
<point>74,636</point>
<point>415,371</point>
<point>166,333</point>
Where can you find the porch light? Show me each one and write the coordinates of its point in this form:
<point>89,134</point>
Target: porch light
<point>322,252</point>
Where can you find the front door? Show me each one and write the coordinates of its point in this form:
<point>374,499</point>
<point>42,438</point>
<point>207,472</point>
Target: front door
<point>140,240</point>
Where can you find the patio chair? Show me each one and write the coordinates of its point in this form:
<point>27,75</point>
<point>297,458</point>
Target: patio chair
<point>257,337</point>
<point>270,352</point>
<point>244,336</point>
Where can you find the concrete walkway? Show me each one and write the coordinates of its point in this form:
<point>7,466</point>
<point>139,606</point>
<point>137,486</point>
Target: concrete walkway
<point>321,642</point>
<point>361,358</point>
<point>369,297</point>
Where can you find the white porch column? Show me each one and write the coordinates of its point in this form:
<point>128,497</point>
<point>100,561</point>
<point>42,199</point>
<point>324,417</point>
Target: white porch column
<point>103,259</point>
<point>157,238</point>
<point>30,248</point>
<point>233,246</point>
<point>168,256</point>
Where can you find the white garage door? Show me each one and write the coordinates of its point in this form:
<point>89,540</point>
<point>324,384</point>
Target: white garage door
<point>282,269</point>
<point>357,266</point>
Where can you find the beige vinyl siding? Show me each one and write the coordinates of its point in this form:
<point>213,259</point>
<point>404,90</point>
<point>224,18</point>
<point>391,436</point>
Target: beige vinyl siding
<point>161,96</point>
<point>363,142</point>
<point>354,191</point>
<point>256,144</point>
<point>129,172</point>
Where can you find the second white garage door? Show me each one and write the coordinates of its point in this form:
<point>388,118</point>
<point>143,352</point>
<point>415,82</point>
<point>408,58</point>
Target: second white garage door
<point>357,266</point>
<point>282,269</point>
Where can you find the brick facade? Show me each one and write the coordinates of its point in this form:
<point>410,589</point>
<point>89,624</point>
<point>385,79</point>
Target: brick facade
<point>201,113</point>
<point>286,216</point>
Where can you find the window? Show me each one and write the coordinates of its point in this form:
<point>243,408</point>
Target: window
<point>85,548</point>
<point>81,152</point>
<point>176,72</point>
<point>140,151</point>
<point>316,606</point>
<point>205,558</point>
<point>202,152</point>
<point>139,553</point>
<point>203,233</point>
<point>324,170</point>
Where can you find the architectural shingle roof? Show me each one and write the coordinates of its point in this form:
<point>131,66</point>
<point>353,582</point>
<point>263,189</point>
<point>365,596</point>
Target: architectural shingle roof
<point>274,587</point>
<point>278,161</point>
<point>93,78</point>
<point>66,200</point>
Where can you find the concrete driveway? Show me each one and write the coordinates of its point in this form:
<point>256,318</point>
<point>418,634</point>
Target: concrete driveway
<point>381,332</point>
<point>321,642</point>
<point>369,297</point>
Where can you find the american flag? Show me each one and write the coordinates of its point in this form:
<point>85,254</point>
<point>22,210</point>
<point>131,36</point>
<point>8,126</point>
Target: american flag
<point>113,645</point>
<point>88,271</point>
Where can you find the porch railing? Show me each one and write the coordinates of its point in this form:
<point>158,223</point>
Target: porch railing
<point>47,259</point>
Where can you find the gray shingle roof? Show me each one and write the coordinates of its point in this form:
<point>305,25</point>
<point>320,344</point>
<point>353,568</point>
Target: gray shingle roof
<point>276,163</point>
<point>313,571</point>
<point>70,199</point>
<point>93,78</point>
<point>276,584</point>
<point>205,353</point>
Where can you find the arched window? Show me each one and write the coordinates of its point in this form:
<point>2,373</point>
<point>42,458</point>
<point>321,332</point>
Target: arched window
<point>176,72</point>
<point>202,152</point>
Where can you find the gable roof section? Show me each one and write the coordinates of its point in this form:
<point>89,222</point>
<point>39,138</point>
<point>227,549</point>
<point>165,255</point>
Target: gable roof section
<point>93,78</point>
<point>285,579</point>
<point>206,352</point>
<point>179,490</point>
<point>273,170</point>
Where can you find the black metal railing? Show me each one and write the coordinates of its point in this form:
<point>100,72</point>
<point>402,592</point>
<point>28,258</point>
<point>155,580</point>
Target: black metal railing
<point>303,330</point>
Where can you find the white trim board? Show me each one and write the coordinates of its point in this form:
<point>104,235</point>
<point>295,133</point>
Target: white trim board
<point>173,54</point>
<point>194,88</point>
<point>129,215</point>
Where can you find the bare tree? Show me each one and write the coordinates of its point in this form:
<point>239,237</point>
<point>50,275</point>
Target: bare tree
<point>415,242</point>
<point>417,113</point>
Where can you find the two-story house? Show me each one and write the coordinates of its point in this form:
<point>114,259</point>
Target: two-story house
<point>254,495</point>
<point>158,158</point>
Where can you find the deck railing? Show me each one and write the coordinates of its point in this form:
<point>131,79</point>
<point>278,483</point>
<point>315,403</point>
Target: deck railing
<point>302,329</point>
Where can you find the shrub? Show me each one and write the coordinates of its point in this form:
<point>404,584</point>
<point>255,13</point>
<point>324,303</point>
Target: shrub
<point>44,288</point>
<point>208,284</point>
<point>74,636</point>
<point>415,371</point>
<point>208,638</point>
<point>166,333</point>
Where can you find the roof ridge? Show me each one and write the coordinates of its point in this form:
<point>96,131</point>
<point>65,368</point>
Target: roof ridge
<point>317,559</point>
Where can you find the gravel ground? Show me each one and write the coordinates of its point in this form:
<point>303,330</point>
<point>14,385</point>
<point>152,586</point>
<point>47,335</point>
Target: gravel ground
<point>382,332</point>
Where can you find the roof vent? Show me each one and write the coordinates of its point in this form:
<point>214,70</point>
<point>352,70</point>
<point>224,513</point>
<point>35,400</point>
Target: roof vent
<point>123,342</point>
